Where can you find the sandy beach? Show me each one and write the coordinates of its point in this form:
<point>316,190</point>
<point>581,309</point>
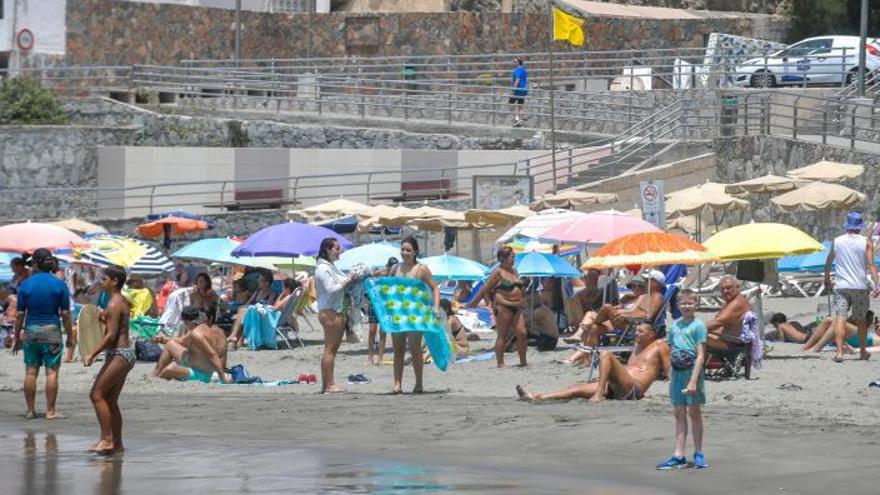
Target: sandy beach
<point>804,424</point>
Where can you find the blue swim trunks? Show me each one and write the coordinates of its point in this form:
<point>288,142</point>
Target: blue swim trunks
<point>42,346</point>
<point>200,376</point>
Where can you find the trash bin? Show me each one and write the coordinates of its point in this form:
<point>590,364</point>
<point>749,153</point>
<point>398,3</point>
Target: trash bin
<point>729,111</point>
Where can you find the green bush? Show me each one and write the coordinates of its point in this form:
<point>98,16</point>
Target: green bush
<point>24,101</point>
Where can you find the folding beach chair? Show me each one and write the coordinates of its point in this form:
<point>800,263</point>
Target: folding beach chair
<point>287,319</point>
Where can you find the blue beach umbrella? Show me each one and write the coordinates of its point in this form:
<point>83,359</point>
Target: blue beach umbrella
<point>448,267</point>
<point>813,262</point>
<point>534,264</point>
<point>374,255</point>
<point>5,267</point>
<point>288,240</point>
<point>215,250</point>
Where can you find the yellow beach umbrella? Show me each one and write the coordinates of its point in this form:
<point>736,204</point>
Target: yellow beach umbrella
<point>80,226</point>
<point>818,196</point>
<point>827,171</point>
<point>761,241</point>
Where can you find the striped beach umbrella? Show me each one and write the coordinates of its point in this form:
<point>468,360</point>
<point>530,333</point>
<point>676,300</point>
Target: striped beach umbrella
<point>137,257</point>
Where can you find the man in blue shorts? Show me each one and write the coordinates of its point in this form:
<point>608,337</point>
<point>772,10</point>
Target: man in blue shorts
<point>518,98</point>
<point>43,303</point>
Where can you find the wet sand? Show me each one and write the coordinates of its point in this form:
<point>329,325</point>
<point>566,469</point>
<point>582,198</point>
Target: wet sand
<point>762,436</point>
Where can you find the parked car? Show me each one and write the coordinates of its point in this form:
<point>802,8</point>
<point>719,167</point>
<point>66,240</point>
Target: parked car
<point>818,60</point>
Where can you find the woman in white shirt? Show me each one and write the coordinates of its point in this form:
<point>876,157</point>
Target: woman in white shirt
<point>330,287</point>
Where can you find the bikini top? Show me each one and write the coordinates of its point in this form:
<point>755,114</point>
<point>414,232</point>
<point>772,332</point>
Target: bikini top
<point>507,285</point>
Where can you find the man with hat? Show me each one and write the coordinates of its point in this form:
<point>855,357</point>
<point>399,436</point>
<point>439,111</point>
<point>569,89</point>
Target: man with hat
<point>648,291</point>
<point>851,256</point>
<point>43,304</point>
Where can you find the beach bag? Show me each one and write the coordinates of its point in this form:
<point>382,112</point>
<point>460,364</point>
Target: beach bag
<point>240,375</point>
<point>147,351</point>
<point>683,359</point>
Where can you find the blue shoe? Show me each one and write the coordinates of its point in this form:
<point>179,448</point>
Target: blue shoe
<point>699,461</point>
<point>672,463</point>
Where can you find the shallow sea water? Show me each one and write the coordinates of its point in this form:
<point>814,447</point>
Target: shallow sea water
<point>36,463</point>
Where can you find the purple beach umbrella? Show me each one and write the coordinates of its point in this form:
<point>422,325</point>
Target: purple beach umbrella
<point>288,240</point>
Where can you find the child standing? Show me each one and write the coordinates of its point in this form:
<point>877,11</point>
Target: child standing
<point>687,339</point>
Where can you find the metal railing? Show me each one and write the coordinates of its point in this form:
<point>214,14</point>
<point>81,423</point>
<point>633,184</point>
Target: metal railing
<point>839,121</point>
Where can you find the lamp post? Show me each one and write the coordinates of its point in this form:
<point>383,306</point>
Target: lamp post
<point>863,39</point>
<point>237,31</point>
<point>550,41</point>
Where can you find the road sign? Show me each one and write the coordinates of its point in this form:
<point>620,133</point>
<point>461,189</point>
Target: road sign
<point>653,206</point>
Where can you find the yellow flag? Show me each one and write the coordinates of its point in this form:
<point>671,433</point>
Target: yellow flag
<point>568,28</point>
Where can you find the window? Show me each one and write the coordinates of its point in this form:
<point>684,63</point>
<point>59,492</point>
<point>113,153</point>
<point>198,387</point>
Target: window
<point>813,47</point>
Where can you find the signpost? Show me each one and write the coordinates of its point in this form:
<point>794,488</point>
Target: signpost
<point>653,206</point>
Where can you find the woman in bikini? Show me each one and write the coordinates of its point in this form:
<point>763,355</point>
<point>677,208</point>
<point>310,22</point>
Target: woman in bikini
<point>119,360</point>
<point>263,295</point>
<point>202,295</point>
<point>410,268</point>
<point>507,289</point>
<point>456,329</point>
<point>330,284</point>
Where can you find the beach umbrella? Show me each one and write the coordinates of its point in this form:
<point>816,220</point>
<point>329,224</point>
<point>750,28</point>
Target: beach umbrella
<point>573,198</point>
<point>6,267</point>
<point>80,226</point>
<point>765,184</point>
<point>403,217</point>
<point>760,241</point>
<point>539,223</point>
<point>135,256</point>
<point>374,255</point>
<point>214,250</point>
<point>29,236</point>
<point>454,219</point>
<point>544,265</point>
<point>169,226</point>
<point>336,208</point>
<point>448,267</point>
<point>649,249</point>
<point>598,227</point>
<point>818,196</point>
<point>528,245</point>
<point>701,198</point>
<point>827,171</point>
<point>813,262</point>
<point>376,213</point>
<point>288,240</point>
<point>504,216</point>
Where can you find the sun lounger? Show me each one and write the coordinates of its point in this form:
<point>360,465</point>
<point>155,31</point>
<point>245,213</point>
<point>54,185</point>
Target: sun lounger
<point>287,319</point>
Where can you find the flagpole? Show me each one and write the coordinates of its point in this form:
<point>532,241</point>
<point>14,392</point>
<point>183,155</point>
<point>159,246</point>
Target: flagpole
<point>552,96</point>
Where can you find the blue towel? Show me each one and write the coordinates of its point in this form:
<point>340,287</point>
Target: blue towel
<point>477,357</point>
<point>259,327</point>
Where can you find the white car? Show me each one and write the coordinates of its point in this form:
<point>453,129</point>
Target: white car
<point>819,60</point>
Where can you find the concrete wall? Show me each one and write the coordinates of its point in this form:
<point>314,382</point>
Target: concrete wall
<point>676,176</point>
<point>317,175</point>
<point>114,32</point>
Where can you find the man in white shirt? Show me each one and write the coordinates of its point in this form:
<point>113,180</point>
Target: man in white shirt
<point>852,255</point>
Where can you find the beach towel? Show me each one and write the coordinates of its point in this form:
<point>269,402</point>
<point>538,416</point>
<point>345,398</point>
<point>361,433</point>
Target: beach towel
<point>140,300</point>
<point>751,336</point>
<point>405,305</point>
<point>177,300</point>
<point>477,357</point>
<point>144,327</point>
<point>259,327</point>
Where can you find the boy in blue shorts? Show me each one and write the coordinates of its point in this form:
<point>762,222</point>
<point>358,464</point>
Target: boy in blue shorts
<point>687,339</point>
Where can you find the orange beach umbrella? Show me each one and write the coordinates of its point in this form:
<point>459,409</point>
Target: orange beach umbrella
<point>177,226</point>
<point>649,249</point>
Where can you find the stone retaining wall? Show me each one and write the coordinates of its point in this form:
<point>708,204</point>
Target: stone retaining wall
<point>113,32</point>
<point>748,157</point>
